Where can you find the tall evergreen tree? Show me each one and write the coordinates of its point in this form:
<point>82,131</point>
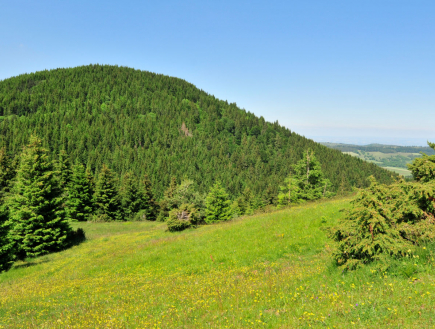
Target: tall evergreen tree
<point>91,182</point>
<point>132,198</point>
<point>306,182</point>
<point>107,199</point>
<point>6,243</point>
<point>269,196</point>
<point>218,206</point>
<point>149,205</point>
<point>290,191</point>
<point>64,168</point>
<point>7,172</point>
<point>79,203</point>
<point>167,203</point>
<point>169,193</point>
<point>36,214</point>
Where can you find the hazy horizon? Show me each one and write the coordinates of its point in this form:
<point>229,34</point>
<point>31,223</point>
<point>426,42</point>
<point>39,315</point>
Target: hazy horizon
<point>396,141</point>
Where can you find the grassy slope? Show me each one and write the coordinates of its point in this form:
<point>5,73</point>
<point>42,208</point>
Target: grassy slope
<point>266,271</point>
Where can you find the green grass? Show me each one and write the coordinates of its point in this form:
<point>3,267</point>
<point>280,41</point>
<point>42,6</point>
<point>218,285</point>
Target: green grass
<point>265,271</point>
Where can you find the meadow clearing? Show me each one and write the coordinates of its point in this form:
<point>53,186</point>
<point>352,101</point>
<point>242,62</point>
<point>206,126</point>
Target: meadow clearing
<point>270,270</point>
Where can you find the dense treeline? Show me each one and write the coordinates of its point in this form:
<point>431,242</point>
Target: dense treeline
<point>380,148</point>
<point>39,197</point>
<point>163,127</point>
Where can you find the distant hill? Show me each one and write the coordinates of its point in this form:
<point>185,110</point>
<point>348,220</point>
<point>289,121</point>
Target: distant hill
<point>162,126</point>
<point>380,148</point>
<point>391,157</point>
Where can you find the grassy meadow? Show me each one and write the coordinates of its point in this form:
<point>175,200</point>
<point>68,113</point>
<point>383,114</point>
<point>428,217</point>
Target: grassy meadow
<point>270,270</point>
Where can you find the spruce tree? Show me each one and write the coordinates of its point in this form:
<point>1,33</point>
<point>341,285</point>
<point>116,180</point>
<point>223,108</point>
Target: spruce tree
<point>310,177</point>
<point>149,205</point>
<point>7,172</point>
<point>132,198</point>
<point>6,243</point>
<point>166,204</point>
<point>218,206</point>
<point>269,196</point>
<point>107,201</point>
<point>79,203</point>
<point>36,214</point>
<point>290,191</point>
<point>64,170</point>
<point>306,182</point>
<point>91,182</point>
<point>169,193</point>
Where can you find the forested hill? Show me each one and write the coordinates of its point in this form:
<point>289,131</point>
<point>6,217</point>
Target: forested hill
<point>166,127</point>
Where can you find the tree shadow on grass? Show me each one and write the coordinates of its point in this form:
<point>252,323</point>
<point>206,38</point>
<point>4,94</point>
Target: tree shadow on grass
<point>29,263</point>
<point>76,237</point>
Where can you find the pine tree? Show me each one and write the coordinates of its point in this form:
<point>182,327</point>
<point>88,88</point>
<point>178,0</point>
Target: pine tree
<point>132,197</point>
<point>91,183</point>
<point>306,182</point>
<point>246,202</point>
<point>36,214</point>
<point>6,244</point>
<point>79,203</point>
<point>218,206</point>
<point>149,205</point>
<point>269,196</point>
<point>289,192</point>
<point>310,177</point>
<point>7,172</point>
<point>107,200</point>
<point>166,204</point>
<point>64,170</point>
<point>169,193</point>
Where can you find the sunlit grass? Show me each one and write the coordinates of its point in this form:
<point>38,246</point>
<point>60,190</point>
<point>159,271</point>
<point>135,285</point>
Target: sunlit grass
<point>265,271</point>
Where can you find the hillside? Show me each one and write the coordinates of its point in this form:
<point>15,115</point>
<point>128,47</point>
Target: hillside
<point>162,126</point>
<point>265,271</point>
<point>391,157</point>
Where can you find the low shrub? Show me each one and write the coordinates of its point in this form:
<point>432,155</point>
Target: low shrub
<point>100,218</point>
<point>181,218</point>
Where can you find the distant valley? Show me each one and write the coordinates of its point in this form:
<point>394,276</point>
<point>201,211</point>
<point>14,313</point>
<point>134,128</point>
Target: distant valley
<point>391,157</point>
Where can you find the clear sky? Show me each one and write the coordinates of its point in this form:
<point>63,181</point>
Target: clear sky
<point>351,71</point>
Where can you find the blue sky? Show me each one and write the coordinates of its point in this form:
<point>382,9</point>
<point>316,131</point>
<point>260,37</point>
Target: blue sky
<point>349,71</point>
